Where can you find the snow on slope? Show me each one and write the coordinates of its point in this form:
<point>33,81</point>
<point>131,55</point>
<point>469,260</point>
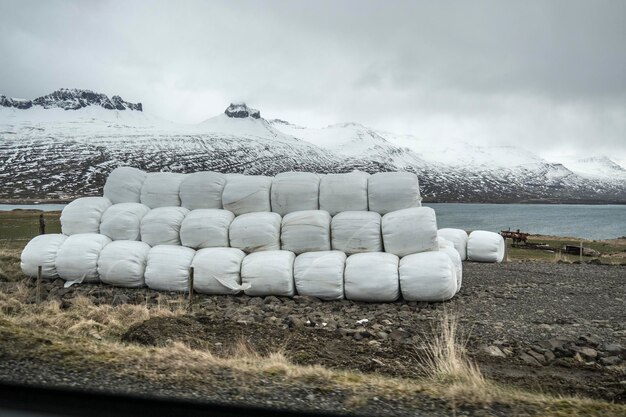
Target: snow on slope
<point>67,150</point>
<point>595,167</point>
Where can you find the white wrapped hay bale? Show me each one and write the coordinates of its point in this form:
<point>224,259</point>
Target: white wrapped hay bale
<point>320,274</point>
<point>83,215</point>
<point>305,231</point>
<point>372,277</point>
<point>269,273</point>
<point>410,231</point>
<point>202,190</point>
<point>123,221</point>
<point>295,191</point>
<point>390,191</point>
<point>427,276</point>
<point>458,237</point>
<point>168,266</point>
<point>483,246</point>
<point>247,194</point>
<point>206,228</point>
<point>356,232</point>
<point>162,189</point>
<point>218,271</point>
<point>254,232</point>
<point>161,226</point>
<point>41,251</point>
<point>343,192</point>
<point>124,184</point>
<point>448,248</point>
<point>123,263</point>
<point>77,258</point>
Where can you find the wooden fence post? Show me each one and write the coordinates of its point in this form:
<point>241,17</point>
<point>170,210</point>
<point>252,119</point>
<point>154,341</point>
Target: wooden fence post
<point>190,287</point>
<point>581,252</point>
<point>38,288</point>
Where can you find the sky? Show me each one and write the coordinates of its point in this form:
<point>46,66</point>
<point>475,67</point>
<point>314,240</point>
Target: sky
<point>549,76</point>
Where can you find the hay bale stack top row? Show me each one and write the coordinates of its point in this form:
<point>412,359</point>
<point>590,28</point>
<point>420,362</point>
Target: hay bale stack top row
<point>285,193</point>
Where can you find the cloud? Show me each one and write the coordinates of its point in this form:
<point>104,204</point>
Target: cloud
<point>545,75</point>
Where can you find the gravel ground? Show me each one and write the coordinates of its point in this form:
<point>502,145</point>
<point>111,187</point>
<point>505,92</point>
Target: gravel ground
<point>557,328</point>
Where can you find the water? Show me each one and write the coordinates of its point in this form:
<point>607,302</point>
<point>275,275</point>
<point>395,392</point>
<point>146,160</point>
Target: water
<point>43,207</point>
<point>576,220</point>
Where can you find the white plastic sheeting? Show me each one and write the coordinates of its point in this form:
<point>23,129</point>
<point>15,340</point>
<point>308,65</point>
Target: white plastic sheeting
<point>305,231</point>
<point>77,258</point>
<point>356,232</point>
<point>390,191</point>
<point>458,237</point>
<point>161,189</point>
<point>247,194</point>
<point>372,277</point>
<point>123,185</point>
<point>410,231</point>
<point>320,274</point>
<point>447,247</point>
<point>343,192</point>
<point>269,273</point>
<point>295,191</point>
<point>206,228</point>
<point>217,271</point>
<point>42,251</point>
<point>161,226</point>
<point>483,246</point>
<point>202,190</point>
<point>83,215</point>
<point>123,263</point>
<point>427,276</point>
<point>253,232</point>
<point>123,221</point>
<point>168,266</point>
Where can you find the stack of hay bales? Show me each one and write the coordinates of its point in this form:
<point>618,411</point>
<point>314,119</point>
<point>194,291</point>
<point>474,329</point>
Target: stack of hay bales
<point>359,236</point>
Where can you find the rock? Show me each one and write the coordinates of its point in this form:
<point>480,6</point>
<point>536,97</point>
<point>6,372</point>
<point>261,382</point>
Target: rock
<point>590,339</point>
<point>382,335</point>
<point>549,356</point>
<point>552,344</point>
<point>493,351</point>
<point>585,352</point>
<point>398,334</point>
<point>255,301</point>
<point>529,359</point>
<point>271,300</point>
<point>613,349</point>
<point>293,321</point>
<point>611,361</point>
<point>241,111</point>
<point>538,356</point>
<point>545,327</point>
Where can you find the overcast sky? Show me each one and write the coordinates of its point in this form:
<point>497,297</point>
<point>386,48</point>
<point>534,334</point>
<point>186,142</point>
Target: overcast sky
<point>548,75</point>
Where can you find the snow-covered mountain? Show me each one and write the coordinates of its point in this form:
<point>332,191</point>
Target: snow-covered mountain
<point>64,144</point>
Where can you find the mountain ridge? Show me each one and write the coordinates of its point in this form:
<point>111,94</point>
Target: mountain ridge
<point>55,155</point>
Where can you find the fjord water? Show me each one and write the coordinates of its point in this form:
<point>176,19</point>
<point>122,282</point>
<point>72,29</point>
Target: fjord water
<point>575,220</point>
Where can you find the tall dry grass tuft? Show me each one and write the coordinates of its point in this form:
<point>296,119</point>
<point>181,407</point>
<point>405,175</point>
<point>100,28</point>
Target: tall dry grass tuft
<point>445,361</point>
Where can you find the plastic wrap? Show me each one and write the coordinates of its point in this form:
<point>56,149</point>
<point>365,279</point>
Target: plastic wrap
<point>42,251</point>
<point>168,266</point>
<point>218,271</point>
<point>206,228</point>
<point>77,258</point>
<point>427,276</point>
<point>202,190</point>
<point>162,189</point>
<point>320,274</point>
<point>83,215</point>
<point>269,273</point>
<point>305,231</point>
<point>295,191</point>
<point>247,194</point>
<point>123,263</point>
<point>356,232</point>
<point>458,237</point>
<point>410,231</point>
<point>391,191</point>
<point>123,221</point>
<point>123,185</point>
<point>161,226</point>
<point>253,232</point>
<point>372,277</point>
<point>343,192</point>
<point>483,246</point>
